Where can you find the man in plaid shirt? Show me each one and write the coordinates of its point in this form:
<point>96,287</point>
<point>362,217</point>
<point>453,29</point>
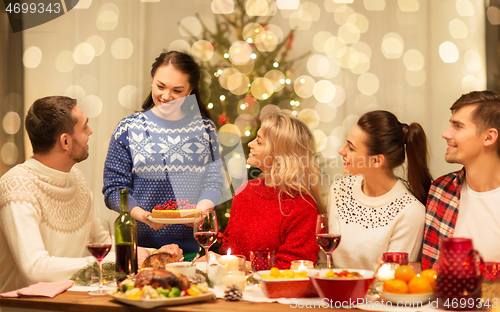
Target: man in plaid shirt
<point>473,142</point>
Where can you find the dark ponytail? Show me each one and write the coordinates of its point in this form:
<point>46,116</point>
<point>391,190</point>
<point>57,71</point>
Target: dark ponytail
<point>185,64</point>
<point>387,136</point>
<point>417,154</point>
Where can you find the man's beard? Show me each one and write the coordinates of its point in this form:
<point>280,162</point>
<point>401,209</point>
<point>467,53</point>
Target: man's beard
<point>81,156</point>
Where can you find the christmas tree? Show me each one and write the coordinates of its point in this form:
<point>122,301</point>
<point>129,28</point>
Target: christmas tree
<point>246,71</point>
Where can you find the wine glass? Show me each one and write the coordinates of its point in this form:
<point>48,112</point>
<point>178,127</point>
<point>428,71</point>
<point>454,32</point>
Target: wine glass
<point>328,235</point>
<point>99,249</point>
<point>205,229</point>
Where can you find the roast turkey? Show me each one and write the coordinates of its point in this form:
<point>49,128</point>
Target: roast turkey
<point>159,277</point>
<point>158,260</point>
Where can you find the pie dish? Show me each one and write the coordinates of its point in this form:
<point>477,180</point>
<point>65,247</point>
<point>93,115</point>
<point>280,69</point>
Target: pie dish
<point>173,221</point>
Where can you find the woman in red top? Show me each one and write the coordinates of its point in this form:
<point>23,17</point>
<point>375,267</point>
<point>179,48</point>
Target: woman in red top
<point>278,211</point>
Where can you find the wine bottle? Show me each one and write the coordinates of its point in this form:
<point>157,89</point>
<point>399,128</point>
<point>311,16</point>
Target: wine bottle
<point>125,239</point>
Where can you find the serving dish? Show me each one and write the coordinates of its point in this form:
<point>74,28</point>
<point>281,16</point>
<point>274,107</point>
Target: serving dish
<point>341,289</point>
<point>418,299</point>
<point>153,303</point>
<point>173,221</point>
<point>285,287</point>
<point>185,268</point>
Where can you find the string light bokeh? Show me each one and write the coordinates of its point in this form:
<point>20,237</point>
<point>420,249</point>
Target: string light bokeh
<point>337,51</point>
<point>362,55</point>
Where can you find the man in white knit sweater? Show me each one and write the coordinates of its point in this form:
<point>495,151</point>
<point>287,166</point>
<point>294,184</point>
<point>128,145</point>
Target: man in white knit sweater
<point>45,203</point>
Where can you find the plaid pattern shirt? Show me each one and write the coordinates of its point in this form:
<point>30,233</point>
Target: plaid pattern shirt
<point>441,216</point>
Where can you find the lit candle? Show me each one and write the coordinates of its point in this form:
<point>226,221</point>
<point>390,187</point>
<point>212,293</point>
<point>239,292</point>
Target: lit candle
<point>301,265</point>
<point>385,272</point>
<point>229,261</point>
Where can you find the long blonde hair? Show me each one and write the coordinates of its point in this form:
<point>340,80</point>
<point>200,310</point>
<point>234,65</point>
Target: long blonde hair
<point>291,147</point>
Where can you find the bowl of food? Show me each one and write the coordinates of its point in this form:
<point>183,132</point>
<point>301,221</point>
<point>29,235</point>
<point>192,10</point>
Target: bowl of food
<point>185,268</point>
<point>409,288</point>
<point>341,284</point>
<point>277,283</point>
<point>408,299</point>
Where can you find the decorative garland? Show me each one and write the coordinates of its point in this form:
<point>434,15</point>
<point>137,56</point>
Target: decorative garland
<point>84,276</point>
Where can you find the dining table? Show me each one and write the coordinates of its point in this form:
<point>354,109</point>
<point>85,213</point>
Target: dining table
<point>254,298</point>
<point>79,301</point>
<point>82,301</point>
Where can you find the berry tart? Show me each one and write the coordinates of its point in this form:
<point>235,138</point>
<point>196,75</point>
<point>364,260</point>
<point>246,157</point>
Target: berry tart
<point>174,210</point>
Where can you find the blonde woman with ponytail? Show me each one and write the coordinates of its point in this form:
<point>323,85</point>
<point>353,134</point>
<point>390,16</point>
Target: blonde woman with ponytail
<point>378,211</point>
<point>278,210</point>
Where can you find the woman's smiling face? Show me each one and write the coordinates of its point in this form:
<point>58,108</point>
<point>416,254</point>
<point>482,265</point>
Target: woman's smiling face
<point>256,155</point>
<point>169,89</point>
<point>354,152</point>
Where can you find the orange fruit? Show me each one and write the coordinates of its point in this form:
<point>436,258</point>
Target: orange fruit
<point>395,286</point>
<point>431,276</point>
<point>404,273</point>
<point>419,285</point>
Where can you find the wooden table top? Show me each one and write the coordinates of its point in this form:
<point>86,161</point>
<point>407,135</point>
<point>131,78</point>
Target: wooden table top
<point>83,302</point>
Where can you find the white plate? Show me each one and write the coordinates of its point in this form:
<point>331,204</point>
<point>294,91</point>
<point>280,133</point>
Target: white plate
<point>173,221</point>
<point>153,303</point>
<point>394,298</point>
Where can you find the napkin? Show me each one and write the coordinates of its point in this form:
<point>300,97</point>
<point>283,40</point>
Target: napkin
<point>253,293</point>
<point>41,289</point>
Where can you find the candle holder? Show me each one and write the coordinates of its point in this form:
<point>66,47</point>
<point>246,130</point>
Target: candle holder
<point>234,271</point>
<point>233,262</point>
<point>301,265</point>
<point>262,259</point>
<point>234,278</point>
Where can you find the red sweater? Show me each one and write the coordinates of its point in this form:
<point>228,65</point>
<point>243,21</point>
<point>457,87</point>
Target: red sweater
<point>256,222</point>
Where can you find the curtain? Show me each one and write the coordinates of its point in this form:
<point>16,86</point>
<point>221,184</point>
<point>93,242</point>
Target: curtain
<point>11,95</point>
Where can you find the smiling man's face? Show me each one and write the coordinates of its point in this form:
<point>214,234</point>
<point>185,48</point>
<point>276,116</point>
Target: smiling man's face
<point>464,141</point>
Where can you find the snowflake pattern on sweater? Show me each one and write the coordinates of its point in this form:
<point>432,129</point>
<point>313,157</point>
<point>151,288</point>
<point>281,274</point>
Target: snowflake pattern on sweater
<point>159,160</point>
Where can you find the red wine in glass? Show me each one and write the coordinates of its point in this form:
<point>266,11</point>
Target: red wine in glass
<point>99,251</point>
<point>328,242</point>
<point>328,235</point>
<point>205,229</point>
<point>205,239</point>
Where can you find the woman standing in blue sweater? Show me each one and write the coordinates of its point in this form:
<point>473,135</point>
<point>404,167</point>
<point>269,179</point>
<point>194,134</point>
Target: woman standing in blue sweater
<point>168,151</point>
